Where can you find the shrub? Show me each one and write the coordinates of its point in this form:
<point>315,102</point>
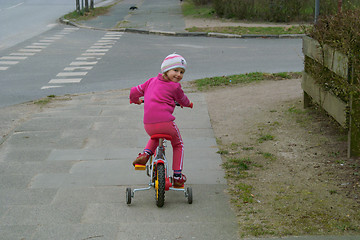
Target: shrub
<point>277,10</point>
<point>342,32</point>
<point>201,2</point>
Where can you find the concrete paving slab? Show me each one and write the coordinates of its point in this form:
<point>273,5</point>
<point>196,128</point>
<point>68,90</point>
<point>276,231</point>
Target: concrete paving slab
<point>33,215</point>
<point>13,196</point>
<point>14,153</point>
<point>17,181</point>
<point>75,178</point>
<point>77,231</point>
<point>56,124</point>
<point>17,232</point>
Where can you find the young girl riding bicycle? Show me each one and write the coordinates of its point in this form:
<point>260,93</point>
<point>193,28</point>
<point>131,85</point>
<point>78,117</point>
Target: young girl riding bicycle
<point>160,96</point>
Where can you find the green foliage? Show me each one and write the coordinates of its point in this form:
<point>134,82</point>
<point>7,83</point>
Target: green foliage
<point>83,16</point>
<point>342,32</point>
<point>239,30</point>
<point>201,2</point>
<point>276,10</point>
<point>194,9</point>
<point>206,83</point>
<point>266,137</point>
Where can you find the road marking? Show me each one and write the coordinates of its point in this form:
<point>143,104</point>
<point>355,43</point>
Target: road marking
<point>77,68</point>
<point>48,87</point>
<point>96,46</point>
<point>51,25</point>
<point>97,50</point>
<point>107,41</point>
<point>9,62</point>
<point>93,54</point>
<point>82,63</point>
<point>47,41</point>
<point>42,44</point>
<point>15,6</point>
<point>55,37</point>
<point>65,80</point>
<point>86,58</point>
<point>13,58</point>
<point>22,54</point>
<point>29,50</point>
<point>36,47</point>
<point>85,62</point>
<point>103,44</point>
<point>71,74</point>
<point>110,38</point>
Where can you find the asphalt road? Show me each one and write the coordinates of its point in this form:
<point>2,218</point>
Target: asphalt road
<point>122,60</point>
<point>23,19</point>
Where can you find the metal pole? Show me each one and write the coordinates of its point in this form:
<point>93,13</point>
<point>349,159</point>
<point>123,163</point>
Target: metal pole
<point>317,9</point>
<point>86,5</point>
<point>339,6</point>
<point>78,6</point>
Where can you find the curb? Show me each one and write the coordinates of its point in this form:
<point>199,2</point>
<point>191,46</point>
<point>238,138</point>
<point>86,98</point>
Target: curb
<point>184,34</point>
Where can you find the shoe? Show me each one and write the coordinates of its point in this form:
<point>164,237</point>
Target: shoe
<point>141,159</point>
<point>178,182</point>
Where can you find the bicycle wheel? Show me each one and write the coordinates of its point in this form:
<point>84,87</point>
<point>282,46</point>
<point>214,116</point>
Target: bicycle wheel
<point>128,195</point>
<point>189,195</point>
<point>160,185</point>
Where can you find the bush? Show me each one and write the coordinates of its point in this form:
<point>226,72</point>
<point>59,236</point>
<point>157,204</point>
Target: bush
<point>201,2</point>
<point>277,10</point>
<point>342,32</point>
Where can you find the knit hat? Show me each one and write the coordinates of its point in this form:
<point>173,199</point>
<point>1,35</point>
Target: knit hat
<point>173,61</point>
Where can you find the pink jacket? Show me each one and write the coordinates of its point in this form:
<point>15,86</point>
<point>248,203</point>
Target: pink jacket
<point>159,96</point>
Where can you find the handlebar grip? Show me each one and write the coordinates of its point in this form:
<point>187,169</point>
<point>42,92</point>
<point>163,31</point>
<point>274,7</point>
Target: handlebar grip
<point>140,102</point>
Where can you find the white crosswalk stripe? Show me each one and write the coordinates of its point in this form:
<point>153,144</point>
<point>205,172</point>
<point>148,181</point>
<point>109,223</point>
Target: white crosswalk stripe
<point>65,80</point>
<point>31,50</point>
<point>87,61</point>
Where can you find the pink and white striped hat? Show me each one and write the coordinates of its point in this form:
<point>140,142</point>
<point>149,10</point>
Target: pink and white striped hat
<point>173,61</point>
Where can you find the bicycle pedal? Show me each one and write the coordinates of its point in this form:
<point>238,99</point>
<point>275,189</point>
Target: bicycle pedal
<point>140,167</point>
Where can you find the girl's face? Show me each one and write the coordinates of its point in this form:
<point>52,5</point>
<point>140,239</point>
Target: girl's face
<point>176,74</point>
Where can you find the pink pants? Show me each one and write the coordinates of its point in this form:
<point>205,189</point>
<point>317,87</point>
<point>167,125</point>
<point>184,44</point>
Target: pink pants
<point>171,129</point>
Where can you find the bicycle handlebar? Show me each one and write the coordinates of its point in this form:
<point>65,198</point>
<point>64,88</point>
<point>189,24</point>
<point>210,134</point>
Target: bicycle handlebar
<point>176,103</point>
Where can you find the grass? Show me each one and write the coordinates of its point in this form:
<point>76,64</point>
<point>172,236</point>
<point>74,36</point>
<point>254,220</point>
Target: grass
<point>189,9</point>
<point>207,83</point>
<point>240,30</point>
<point>266,137</point>
<point>44,101</point>
<point>83,16</point>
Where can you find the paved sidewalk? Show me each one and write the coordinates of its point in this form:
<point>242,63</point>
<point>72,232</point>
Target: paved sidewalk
<point>64,169</point>
<point>162,17</point>
<point>64,172</point>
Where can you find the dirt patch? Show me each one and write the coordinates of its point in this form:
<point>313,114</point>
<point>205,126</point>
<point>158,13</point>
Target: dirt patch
<point>287,168</point>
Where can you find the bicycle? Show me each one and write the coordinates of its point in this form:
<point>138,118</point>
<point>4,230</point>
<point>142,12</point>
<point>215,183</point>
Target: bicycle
<point>156,169</point>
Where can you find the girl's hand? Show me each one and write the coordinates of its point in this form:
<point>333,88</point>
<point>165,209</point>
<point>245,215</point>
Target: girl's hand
<point>140,101</point>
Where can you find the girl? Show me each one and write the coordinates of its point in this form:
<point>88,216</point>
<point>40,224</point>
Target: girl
<point>160,94</point>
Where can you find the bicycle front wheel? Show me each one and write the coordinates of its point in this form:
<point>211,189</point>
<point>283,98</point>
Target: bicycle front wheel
<point>160,185</point>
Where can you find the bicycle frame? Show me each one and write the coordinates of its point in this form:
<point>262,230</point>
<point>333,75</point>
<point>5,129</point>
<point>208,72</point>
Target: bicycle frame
<point>159,158</point>
<point>151,167</point>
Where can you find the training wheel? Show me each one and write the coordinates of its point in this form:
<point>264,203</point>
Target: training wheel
<point>128,195</point>
<point>189,195</point>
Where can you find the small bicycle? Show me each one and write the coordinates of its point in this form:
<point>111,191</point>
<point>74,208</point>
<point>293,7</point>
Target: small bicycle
<point>156,169</point>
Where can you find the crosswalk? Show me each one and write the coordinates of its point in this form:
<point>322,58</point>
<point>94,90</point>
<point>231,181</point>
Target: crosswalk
<point>23,54</point>
<point>79,68</point>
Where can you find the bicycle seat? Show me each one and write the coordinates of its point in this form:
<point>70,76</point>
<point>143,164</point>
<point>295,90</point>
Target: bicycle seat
<point>157,136</point>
